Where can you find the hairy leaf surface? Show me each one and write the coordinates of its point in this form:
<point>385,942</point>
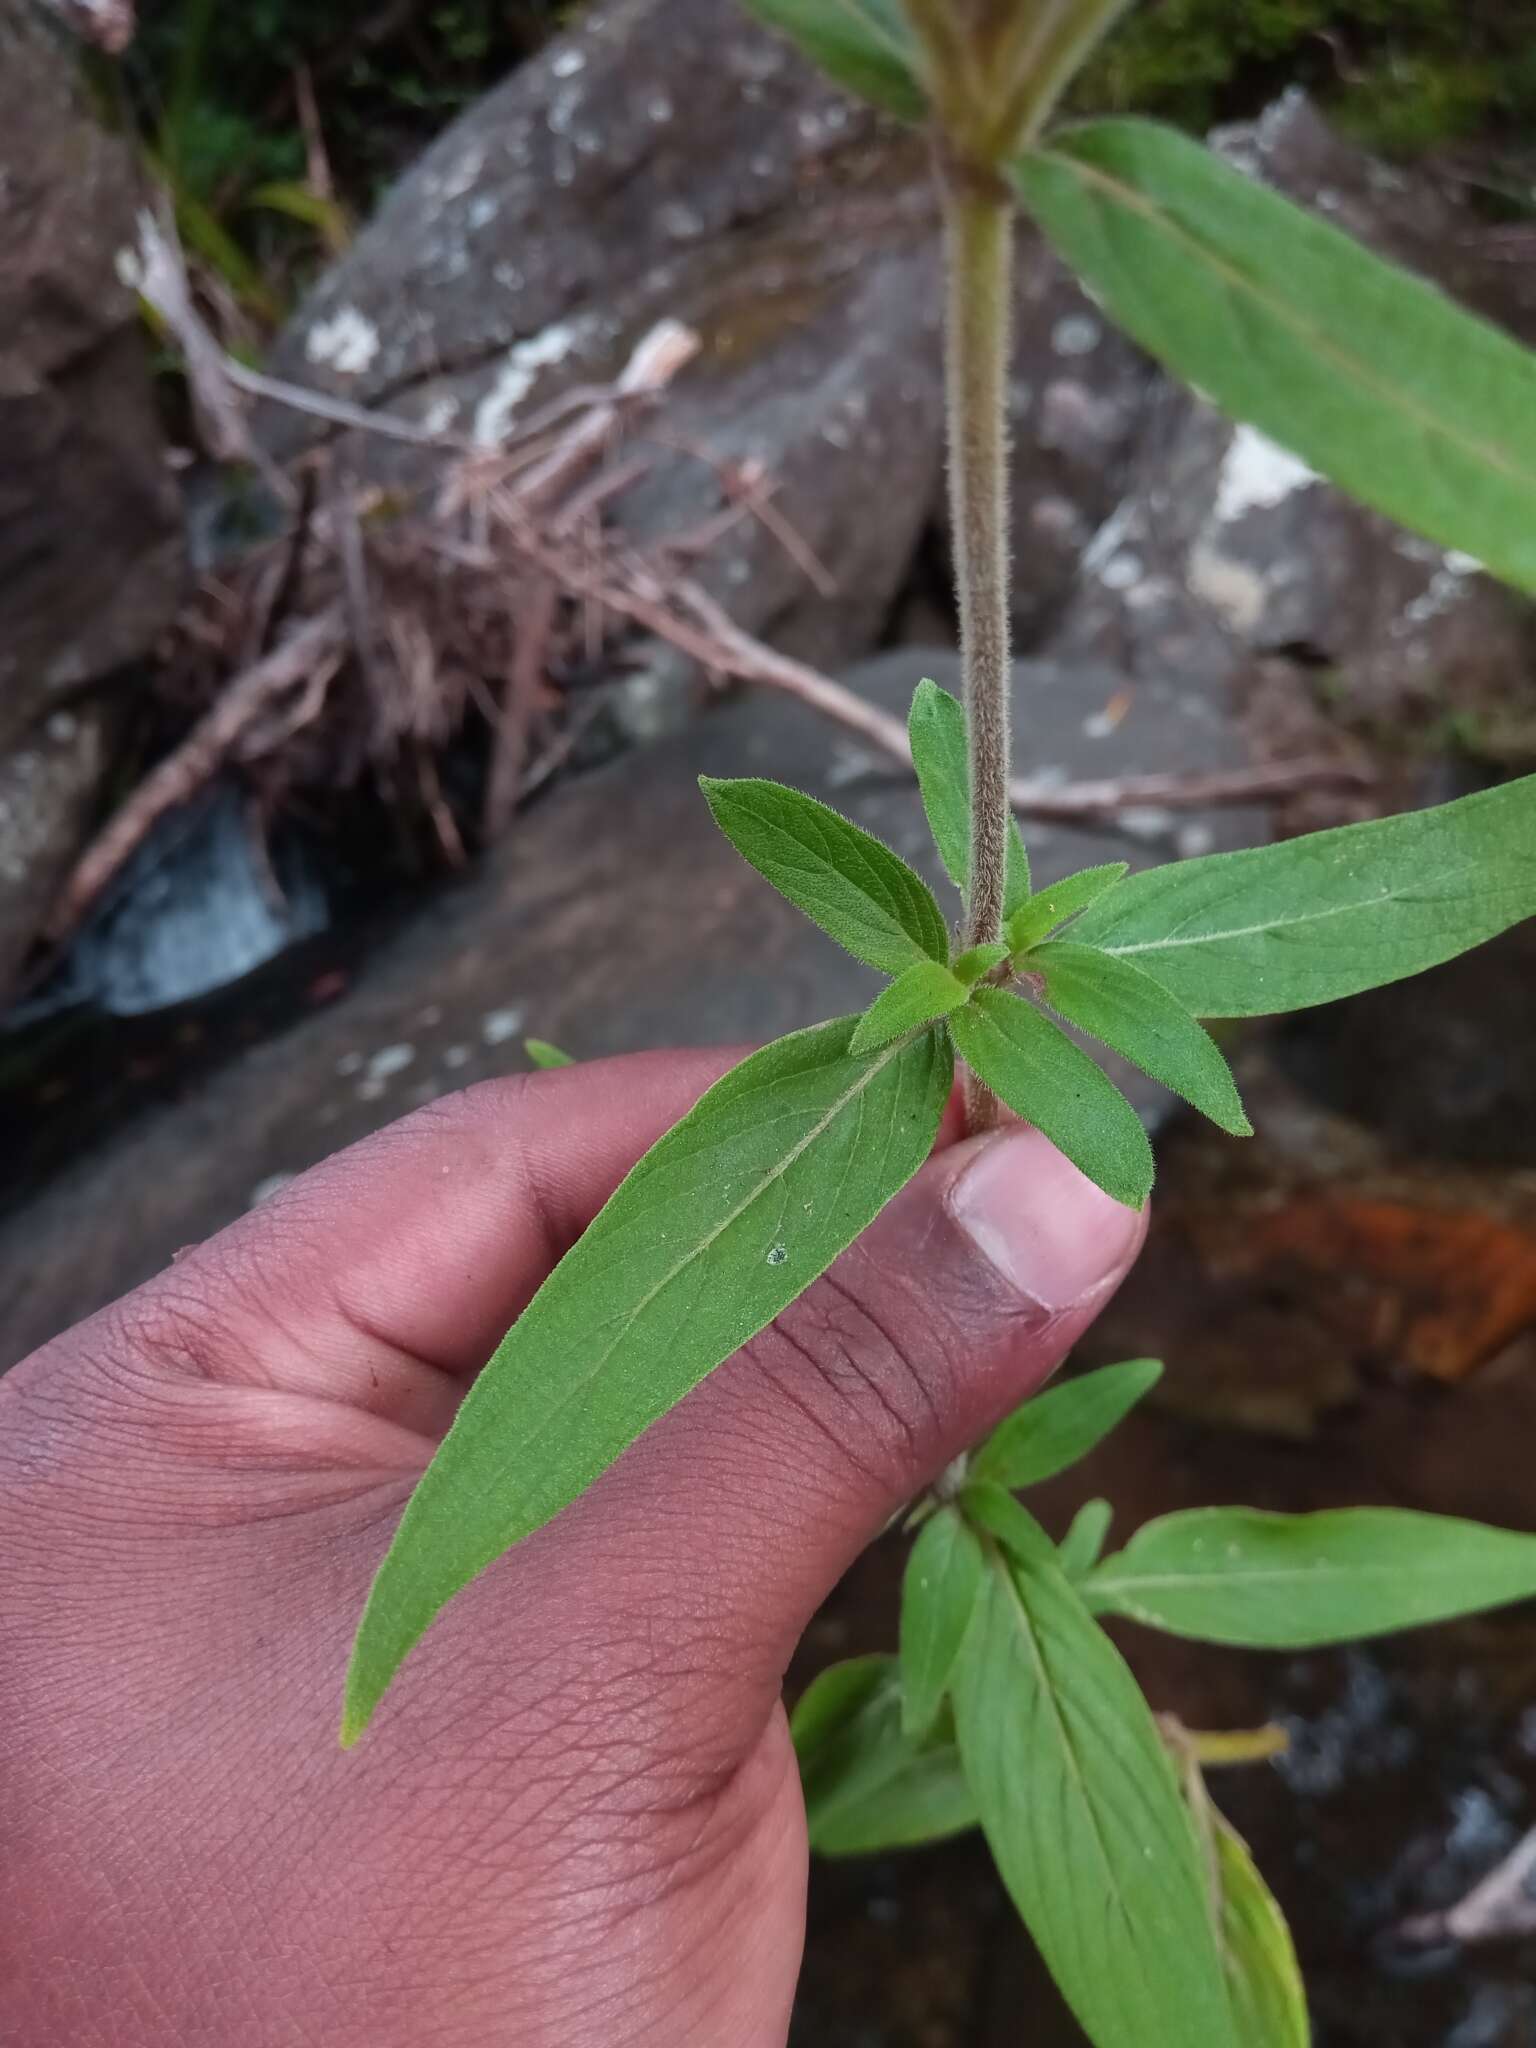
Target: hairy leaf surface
<point>920,996</point>
<point>868,1786</point>
<point>1042,1076</point>
<point>1310,920</point>
<point>1080,1805</point>
<point>1054,905</point>
<point>843,878</point>
<point>865,46</point>
<point>1371,376</point>
<point>940,754</point>
<point>720,1226</point>
<point>1281,1582</point>
<point>938,1594</point>
<point>1062,1425</point>
<point>1115,1002</point>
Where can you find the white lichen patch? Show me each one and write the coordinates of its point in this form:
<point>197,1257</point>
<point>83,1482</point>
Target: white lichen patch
<point>1257,472</point>
<point>518,375</point>
<point>347,342</point>
<point>1233,590</point>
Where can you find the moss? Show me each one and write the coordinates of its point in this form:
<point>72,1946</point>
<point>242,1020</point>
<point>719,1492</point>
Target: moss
<point>1406,76</point>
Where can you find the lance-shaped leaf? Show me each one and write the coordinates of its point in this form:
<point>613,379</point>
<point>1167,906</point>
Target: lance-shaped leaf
<point>865,46</point>
<point>1310,920</point>
<point>868,1786</point>
<point>722,1224</point>
<point>844,879</point>
<point>1061,1426</point>
<point>940,754</point>
<point>920,996</point>
<point>1080,1549</point>
<point>1281,1582</point>
<point>1080,1804</point>
<point>1269,2001</point>
<point>1372,377</point>
<point>1115,1002</point>
<point>1054,905</point>
<point>938,1594</point>
<point>1042,1076</point>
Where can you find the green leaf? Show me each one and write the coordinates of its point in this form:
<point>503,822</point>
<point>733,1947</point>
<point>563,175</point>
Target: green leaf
<point>844,879</point>
<point>1281,1582</point>
<point>865,46</point>
<point>720,1226</point>
<point>1080,1805</point>
<point>545,1055</point>
<point>868,1787</point>
<point>1059,1427</point>
<point>1373,377</point>
<point>1042,1076</point>
<point>920,996</point>
<point>941,756</point>
<point>980,960</point>
<point>1053,906</point>
<point>938,1594</point>
<point>1078,1551</point>
<point>1311,920</point>
<point>1269,2000</point>
<point>1114,1001</point>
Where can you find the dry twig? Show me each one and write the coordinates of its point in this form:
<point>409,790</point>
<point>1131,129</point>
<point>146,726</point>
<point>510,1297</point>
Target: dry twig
<point>1500,1908</point>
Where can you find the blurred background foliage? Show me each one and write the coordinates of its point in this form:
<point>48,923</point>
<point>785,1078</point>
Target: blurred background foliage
<point>276,124</point>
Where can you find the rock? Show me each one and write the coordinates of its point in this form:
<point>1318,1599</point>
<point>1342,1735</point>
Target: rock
<point>622,866</point>
<point>667,159</point>
<point>89,546</point>
<point>1229,564</point>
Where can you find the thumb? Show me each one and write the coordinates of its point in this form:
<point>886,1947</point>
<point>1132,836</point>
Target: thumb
<point>955,1306</point>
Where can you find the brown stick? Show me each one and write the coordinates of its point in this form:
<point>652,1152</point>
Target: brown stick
<point>191,764</point>
<point>1502,1907</point>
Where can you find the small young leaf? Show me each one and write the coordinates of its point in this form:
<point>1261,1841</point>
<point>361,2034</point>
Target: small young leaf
<point>1135,1016</point>
<point>1079,1802</point>
<point>868,1787</point>
<point>844,879</point>
<point>722,1224</point>
<point>1372,376</point>
<point>1282,1582</point>
<point>941,756</point>
<point>943,1578</point>
<point>1269,2001</point>
<point>1310,920</point>
<point>980,960</point>
<point>865,46</point>
<point>1059,1427</point>
<point>1079,1550</point>
<point>1042,1076</point>
<point>545,1055</point>
<point>920,996</point>
<point>1053,906</point>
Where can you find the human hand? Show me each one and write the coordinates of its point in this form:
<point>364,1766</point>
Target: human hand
<point>576,1819</point>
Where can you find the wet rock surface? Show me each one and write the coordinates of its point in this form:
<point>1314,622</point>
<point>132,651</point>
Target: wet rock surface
<point>89,536</point>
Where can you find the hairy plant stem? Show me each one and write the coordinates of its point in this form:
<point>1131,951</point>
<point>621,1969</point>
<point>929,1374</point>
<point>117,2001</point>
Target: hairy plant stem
<point>979,247</point>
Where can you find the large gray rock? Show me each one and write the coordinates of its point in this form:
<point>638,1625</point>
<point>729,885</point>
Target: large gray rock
<point>89,543</point>
<point>667,159</point>
<point>1229,564</point>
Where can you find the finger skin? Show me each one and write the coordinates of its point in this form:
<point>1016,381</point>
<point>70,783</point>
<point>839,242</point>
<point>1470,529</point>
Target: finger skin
<point>576,1819</point>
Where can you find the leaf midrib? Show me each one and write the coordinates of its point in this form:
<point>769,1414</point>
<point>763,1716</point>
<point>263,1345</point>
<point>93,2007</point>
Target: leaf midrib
<point>1312,336</point>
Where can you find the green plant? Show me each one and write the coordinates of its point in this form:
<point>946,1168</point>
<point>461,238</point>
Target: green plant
<point>1009,1707</point>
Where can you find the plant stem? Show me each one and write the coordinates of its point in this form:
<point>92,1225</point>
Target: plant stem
<point>979,238</point>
